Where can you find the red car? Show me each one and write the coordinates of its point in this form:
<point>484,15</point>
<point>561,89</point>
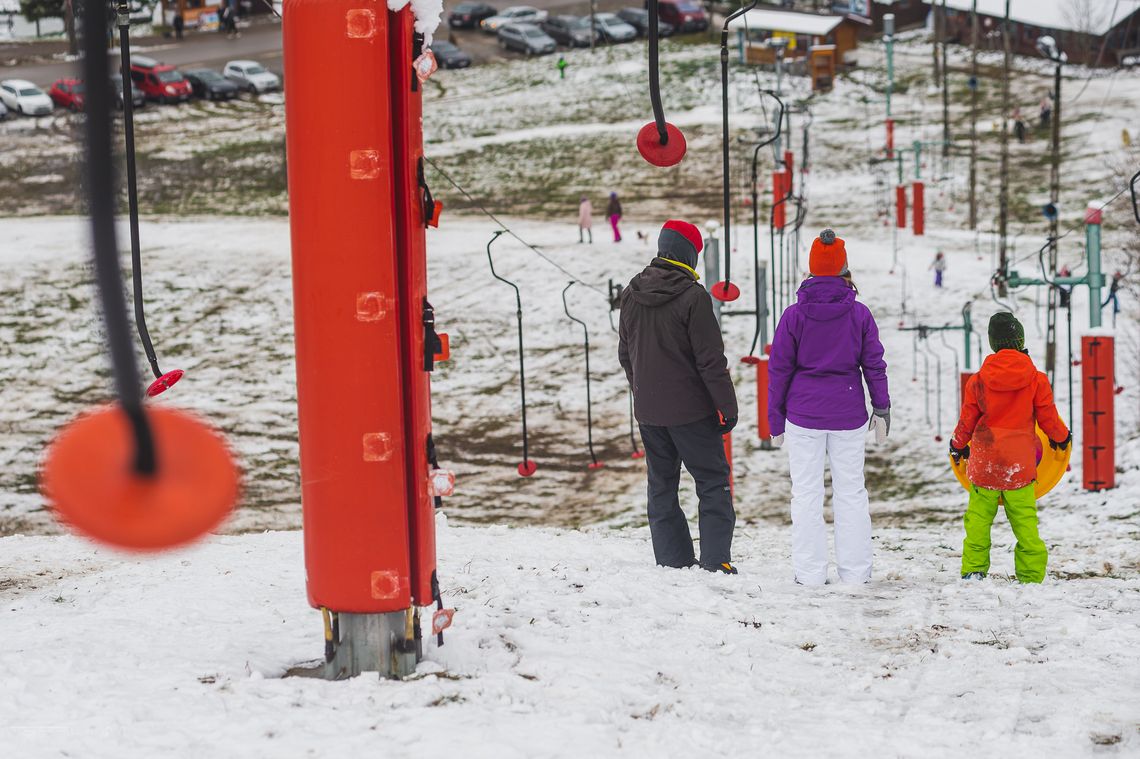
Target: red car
<point>67,93</point>
<point>684,15</point>
<point>160,81</point>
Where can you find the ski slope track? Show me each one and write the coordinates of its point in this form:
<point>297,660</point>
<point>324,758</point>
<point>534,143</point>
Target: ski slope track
<point>567,642</point>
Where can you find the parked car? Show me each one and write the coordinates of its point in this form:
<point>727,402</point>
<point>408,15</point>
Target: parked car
<point>638,18</point>
<point>684,15</point>
<point>67,93</point>
<point>21,96</point>
<point>613,29</point>
<point>570,30</point>
<point>526,38</point>
<point>251,76</point>
<point>138,99</point>
<point>468,15</point>
<point>516,14</point>
<point>159,81</point>
<point>210,85</point>
<point>449,56</point>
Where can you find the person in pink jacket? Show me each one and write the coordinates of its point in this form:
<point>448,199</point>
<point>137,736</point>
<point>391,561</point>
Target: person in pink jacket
<point>585,219</point>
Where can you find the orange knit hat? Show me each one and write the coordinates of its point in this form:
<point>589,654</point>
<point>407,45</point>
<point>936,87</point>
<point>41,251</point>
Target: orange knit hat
<point>828,255</point>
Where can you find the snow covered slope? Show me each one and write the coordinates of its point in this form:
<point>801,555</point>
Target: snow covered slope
<point>565,644</point>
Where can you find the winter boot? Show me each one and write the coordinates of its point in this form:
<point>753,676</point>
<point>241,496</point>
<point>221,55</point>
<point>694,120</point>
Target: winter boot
<point>724,568</point>
<point>974,576</point>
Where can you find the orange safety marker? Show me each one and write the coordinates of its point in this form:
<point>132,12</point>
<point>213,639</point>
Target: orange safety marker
<point>90,482</point>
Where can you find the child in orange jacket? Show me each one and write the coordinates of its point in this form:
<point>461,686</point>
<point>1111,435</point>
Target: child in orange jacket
<point>1003,404</point>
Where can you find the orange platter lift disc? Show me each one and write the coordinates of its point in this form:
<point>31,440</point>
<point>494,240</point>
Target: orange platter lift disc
<point>89,479</point>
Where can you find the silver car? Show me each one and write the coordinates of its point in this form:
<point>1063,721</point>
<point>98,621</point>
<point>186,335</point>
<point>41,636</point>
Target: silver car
<point>613,29</point>
<point>526,38</point>
<point>516,14</point>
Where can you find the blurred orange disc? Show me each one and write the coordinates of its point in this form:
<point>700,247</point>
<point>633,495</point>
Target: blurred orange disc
<point>89,479</point>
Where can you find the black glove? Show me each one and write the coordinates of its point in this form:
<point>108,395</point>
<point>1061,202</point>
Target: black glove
<point>959,453</point>
<point>727,424</point>
<point>1063,444</point>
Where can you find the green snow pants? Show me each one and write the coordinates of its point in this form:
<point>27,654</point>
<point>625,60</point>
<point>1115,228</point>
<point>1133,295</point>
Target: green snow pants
<point>1029,555</point>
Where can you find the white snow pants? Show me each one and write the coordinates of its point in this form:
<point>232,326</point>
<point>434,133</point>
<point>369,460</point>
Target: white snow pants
<point>806,452</point>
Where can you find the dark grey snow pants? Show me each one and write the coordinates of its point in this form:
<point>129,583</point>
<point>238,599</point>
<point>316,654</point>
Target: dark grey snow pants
<point>700,447</point>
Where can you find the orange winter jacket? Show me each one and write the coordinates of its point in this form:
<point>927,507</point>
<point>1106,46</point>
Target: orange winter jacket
<point>1002,404</point>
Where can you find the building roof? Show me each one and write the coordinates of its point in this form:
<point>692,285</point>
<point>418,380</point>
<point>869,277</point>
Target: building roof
<point>9,6</point>
<point>784,21</point>
<point>1065,15</point>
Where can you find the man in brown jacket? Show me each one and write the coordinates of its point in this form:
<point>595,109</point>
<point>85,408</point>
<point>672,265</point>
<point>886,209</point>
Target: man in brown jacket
<point>673,355</point>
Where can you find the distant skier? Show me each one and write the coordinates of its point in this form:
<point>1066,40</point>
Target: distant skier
<point>585,219</point>
<point>670,346</point>
<point>825,347</point>
<point>1113,296</point>
<point>1046,112</point>
<point>939,266</point>
<point>613,213</point>
<point>1019,125</point>
<point>1001,407</point>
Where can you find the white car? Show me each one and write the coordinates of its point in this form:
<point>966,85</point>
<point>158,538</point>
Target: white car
<point>21,96</point>
<point>516,14</point>
<point>251,76</point>
<point>613,29</point>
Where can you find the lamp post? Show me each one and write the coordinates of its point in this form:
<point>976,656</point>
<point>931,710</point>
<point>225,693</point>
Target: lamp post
<point>779,44</point>
<point>1047,47</point>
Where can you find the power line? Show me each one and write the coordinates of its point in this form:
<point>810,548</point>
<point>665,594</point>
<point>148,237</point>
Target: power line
<point>509,231</point>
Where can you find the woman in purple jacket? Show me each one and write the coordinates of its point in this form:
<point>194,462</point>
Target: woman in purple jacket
<point>825,346</point>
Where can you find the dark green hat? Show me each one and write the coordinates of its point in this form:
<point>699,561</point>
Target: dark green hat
<point>1006,332</point>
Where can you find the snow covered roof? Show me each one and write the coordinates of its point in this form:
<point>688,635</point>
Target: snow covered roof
<point>9,6</point>
<point>1095,17</point>
<point>783,21</point>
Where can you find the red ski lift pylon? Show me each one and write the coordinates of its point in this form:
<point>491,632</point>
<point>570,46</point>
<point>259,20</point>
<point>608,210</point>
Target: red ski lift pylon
<point>659,142</point>
<point>594,463</point>
<point>127,477</point>
<point>725,290</point>
<point>162,381</point>
<point>526,467</point>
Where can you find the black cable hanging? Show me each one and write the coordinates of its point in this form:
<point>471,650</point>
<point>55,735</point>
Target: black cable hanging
<point>101,200</point>
<point>162,382</point>
<point>527,467</point>
<point>751,358</point>
<point>1135,203</point>
<point>725,290</point>
<point>594,463</point>
<point>659,142</point>
<point>637,452</point>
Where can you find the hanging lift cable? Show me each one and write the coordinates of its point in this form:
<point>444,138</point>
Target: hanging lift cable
<point>101,201</point>
<point>507,230</point>
<point>526,467</point>
<point>659,142</point>
<point>162,381</point>
<point>589,413</point>
<point>725,290</point>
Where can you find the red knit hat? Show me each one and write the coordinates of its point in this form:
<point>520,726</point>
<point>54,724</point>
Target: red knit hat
<point>828,255</point>
<point>688,231</point>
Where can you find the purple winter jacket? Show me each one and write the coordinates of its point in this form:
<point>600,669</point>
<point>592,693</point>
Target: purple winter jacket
<point>822,344</point>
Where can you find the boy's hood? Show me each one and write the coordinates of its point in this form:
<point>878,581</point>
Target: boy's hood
<point>1007,370</point>
<point>659,283</point>
<point>825,298</point>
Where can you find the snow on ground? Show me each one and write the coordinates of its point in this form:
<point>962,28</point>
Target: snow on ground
<point>567,642</point>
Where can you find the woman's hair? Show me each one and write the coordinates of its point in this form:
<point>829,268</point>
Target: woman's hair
<point>846,277</point>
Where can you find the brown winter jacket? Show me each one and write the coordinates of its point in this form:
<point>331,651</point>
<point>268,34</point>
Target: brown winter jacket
<point>671,349</point>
